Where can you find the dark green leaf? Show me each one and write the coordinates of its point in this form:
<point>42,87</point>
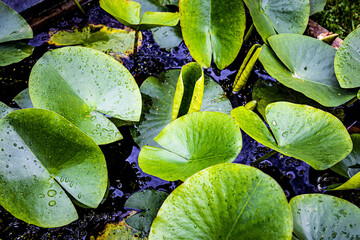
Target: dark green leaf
<point>316,6</point>
<point>167,37</point>
<point>14,52</point>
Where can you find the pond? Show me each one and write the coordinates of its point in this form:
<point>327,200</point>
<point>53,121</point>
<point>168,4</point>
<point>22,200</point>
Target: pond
<point>295,177</point>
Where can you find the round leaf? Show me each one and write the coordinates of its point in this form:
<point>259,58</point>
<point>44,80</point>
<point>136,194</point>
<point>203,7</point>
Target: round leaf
<point>307,67</point>
<point>186,150</point>
<point>347,61</point>
<point>320,216</point>
<point>213,28</point>
<point>225,201</point>
<point>303,132</point>
<point>14,52</point>
<point>158,94</point>
<point>280,16</point>
<point>43,159</point>
<point>167,37</point>
<point>82,85</point>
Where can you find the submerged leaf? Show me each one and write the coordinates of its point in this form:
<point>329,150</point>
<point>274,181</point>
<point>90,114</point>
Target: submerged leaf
<point>167,37</point>
<point>44,158</point>
<point>82,85</point>
<point>186,150</point>
<point>226,201</point>
<point>320,216</point>
<point>299,131</point>
<point>213,28</point>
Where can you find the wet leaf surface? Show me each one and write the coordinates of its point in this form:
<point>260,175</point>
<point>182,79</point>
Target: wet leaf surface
<point>4,110</point>
<point>167,37</point>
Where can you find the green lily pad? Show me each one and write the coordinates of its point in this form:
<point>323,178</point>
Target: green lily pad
<point>167,37</point>
<point>158,96</point>
<point>149,202</point>
<point>23,99</point>
<point>281,16</point>
<point>347,61</point>
<point>213,28</point>
<point>186,150</point>
<point>298,131</point>
<point>116,42</point>
<point>307,66</point>
<point>320,216</point>
<point>82,85</point>
<point>13,27</point>
<point>316,6</point>
<point>4,110</point>
<point>43,159</point>
<point>226,201</point>
<point>141,15</point>
<point>14,52</point>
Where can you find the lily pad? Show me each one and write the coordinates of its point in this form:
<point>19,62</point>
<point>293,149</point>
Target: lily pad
<point>213,28</point>
<point>225,201</point>
<point>23,99</point>
<point>316,6</point>
<point>167,37</point>
<point>186,150</point>
<point>158,96</point>
<point>281,16</point>
<point>320,216</point>
<point>347,61</point>
<point>116,42</point>
<point>307,66</point>
<point>43,159</point>
<point>4,110</point>
<point>149,202</point>
<point>14,52</point>
<point>140,15</point>
<point>82,85</point>
<point>298,131</point>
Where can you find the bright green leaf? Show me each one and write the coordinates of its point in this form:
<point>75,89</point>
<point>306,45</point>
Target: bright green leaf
<point>320,216</point>
<point>307,66</point>
<point>213,28</point>
<point>347,61</point>
<point>82,85</point>
<point>299,131</point>
<point>316,6</point>
<point>226,201</point>
<point>43,159</point>
<point>23,99</point>
<point>281,16</point>
<point>149,202</point>
<point>158,96</point>
<point>186,150</point>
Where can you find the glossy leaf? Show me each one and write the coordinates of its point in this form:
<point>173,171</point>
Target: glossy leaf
<point>316,6</point>
<point>82,85</point>
<point>43,159</point>
<point>280,16</point>
<point>213,28</point>
<point>117,42</point>
<point>225,201</point>
<point>320,216</point>
<point>186,150</point>
<point>347,61</point>
<point>13,26</point>
<point>14,52</point>
<point>131,14</point>
<point>149,203</point>
<point>307,66</point>
<point>298,131</point>
<point>4,110</point>
<point>23,99</point>
<point>189,90</point>
<point>167,37</point>
<point>158,96</point>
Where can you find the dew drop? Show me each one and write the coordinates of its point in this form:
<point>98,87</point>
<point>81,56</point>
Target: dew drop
<point>52,203</point>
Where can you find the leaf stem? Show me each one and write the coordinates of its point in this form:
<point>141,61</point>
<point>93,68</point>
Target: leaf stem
<point>136,47</point>
<point>79,6</point>
<point>248,34</point>
<point>351,102</point>
<point>266,156</point>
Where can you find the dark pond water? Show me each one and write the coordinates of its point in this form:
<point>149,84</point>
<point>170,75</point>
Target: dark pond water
<point>125,176</point>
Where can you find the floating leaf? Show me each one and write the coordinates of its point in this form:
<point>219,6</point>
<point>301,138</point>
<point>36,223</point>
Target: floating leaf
<point>347,61</point>
<point>280,16</point>
<point>99,37</point>
<point>316,6</point>
<point>299,131</point>
<point>82,85</point>
<point>149,202</point>
<point>141,16</point>
<point>23,99</point>
<point>320,216</point>
<point>4,110</point>
<point>158,96</point>
<point>226,201</point>
<point>186,150</point>
<point>14,52</point>
<point>307,67</point>
<point>43,159</point>
<point>167,37</point>
<point>213,28</point>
